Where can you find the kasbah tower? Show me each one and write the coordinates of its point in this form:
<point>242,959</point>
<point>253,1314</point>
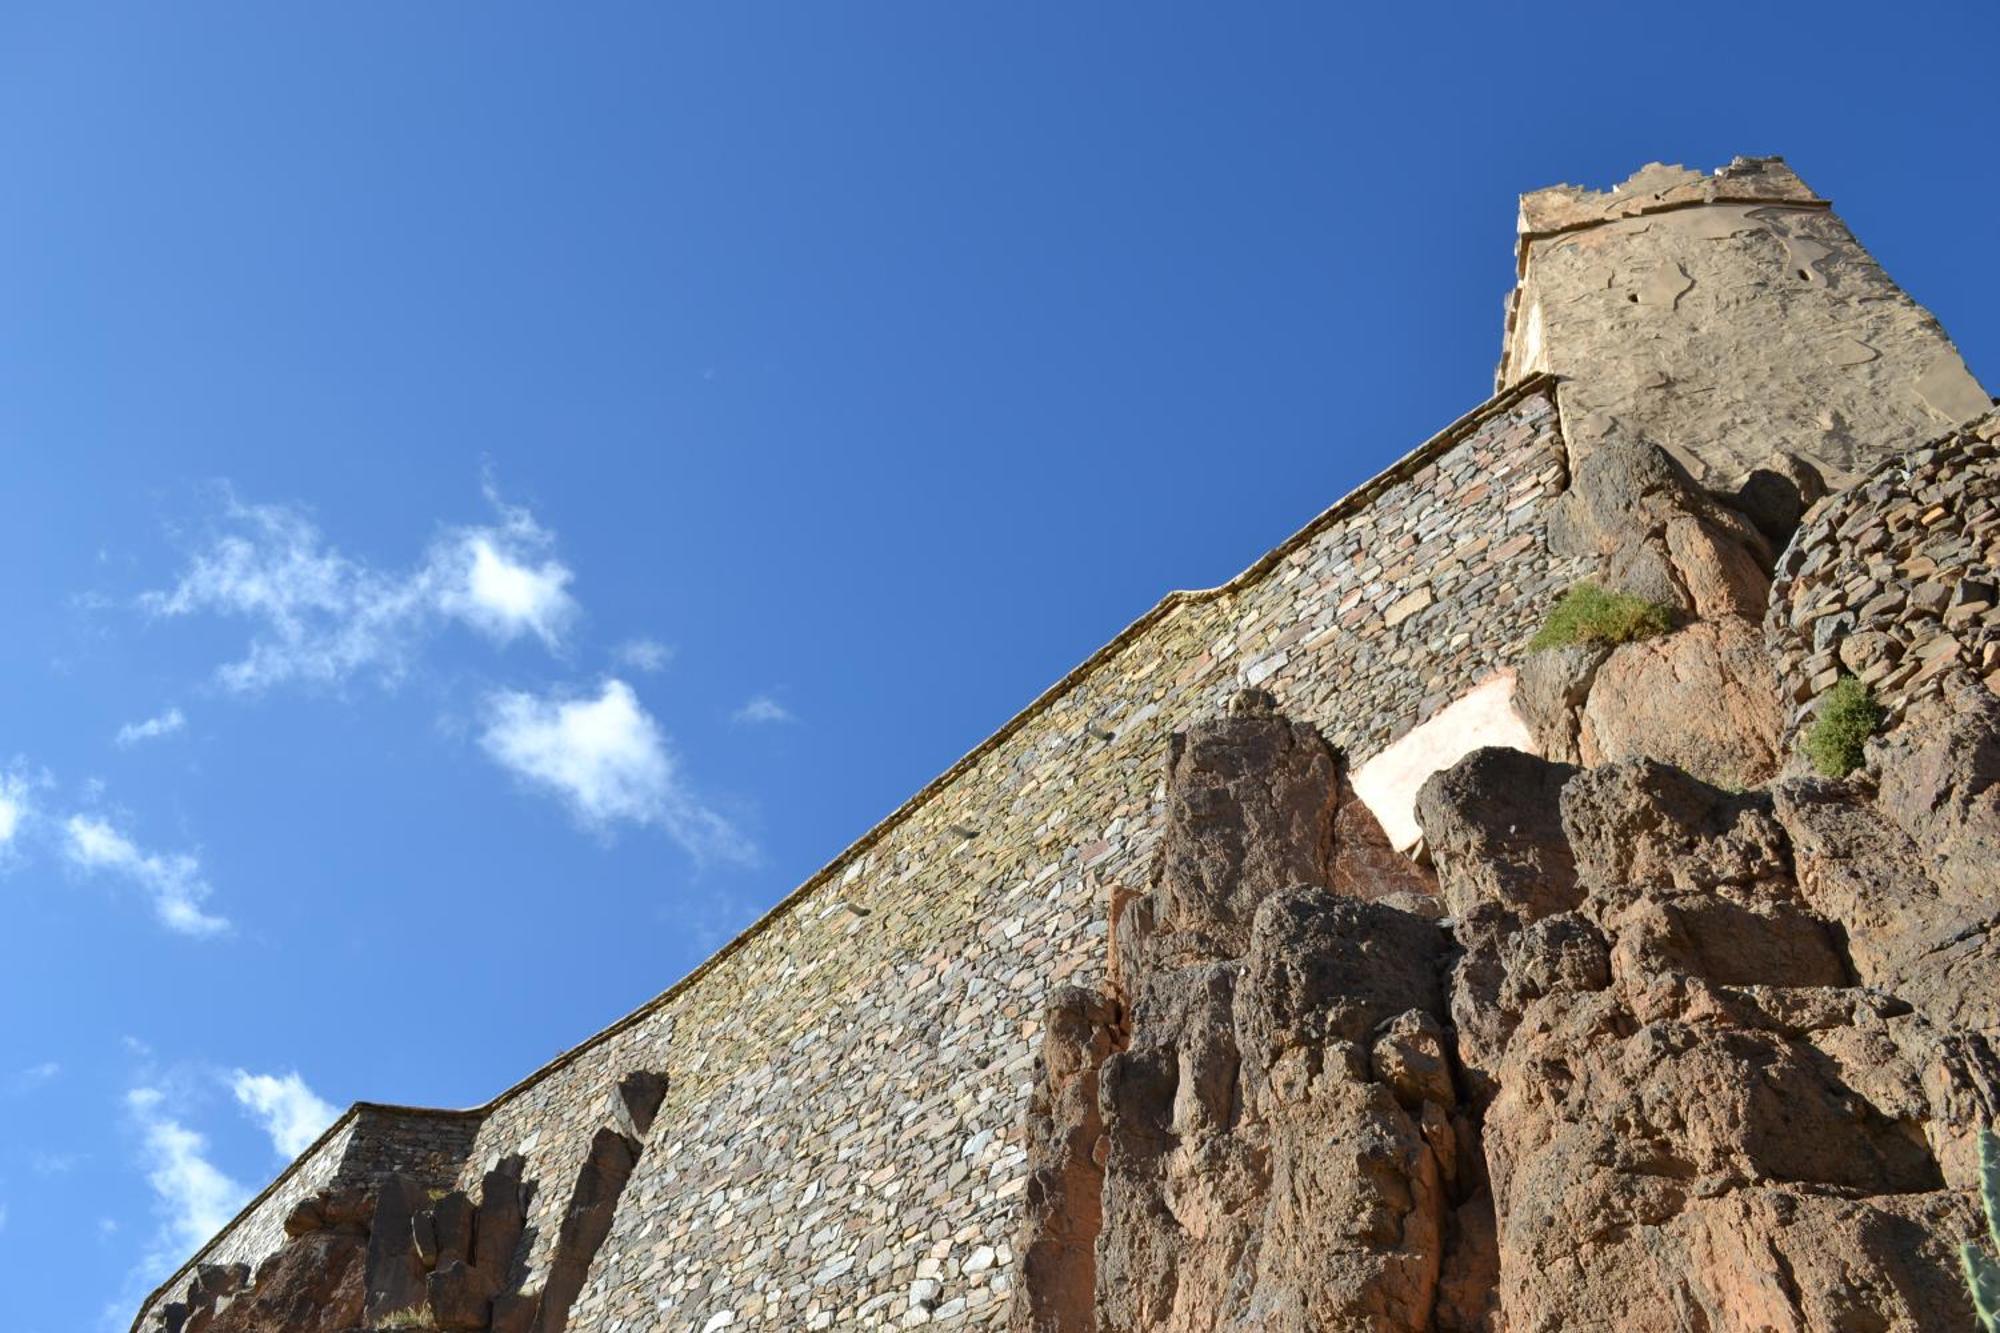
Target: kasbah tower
<point>1555,890</point>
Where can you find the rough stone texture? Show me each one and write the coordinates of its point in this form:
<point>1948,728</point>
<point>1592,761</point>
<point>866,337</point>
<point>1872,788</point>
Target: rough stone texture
<point>398,1254</point>
<point>366,1144</point>
<point>313,1285</point>
<point>1727,317</point>
<point>1272,1130</point>
<point>1895,582</point>
<point>1062,1210</point>
<point>1699,696</point>
<point>1722,1081</point>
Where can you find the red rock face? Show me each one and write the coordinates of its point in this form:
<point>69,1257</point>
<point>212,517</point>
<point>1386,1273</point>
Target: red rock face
<point>1271,1143</point>
<point>1678,1057</point>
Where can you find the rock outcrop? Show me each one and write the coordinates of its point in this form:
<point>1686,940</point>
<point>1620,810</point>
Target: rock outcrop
<point>1699,696</point>
<point>1272,1143</point>
<point>1657,1055</point>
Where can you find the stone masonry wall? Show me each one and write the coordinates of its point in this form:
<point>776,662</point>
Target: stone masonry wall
<point>841,1140</point>
<point>1894,581</point>
<point>430,1145</point>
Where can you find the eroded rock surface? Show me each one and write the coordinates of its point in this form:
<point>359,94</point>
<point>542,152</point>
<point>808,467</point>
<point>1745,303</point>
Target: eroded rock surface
<point>396,1254</point>
<point>1700,696</point>
<point>1272,1144</point>
<point>1722,1082</point>
<point>1658,1055</point>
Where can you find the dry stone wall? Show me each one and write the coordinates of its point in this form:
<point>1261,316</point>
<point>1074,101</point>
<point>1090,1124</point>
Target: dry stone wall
<point>1894,582</point>
<point>841,1143</point>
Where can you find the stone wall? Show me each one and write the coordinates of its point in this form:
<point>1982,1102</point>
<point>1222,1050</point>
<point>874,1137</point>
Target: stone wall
<point>429,1145</point>
<point>1894,581</point>
<point>840,1144</point>
<point>841,1140</point>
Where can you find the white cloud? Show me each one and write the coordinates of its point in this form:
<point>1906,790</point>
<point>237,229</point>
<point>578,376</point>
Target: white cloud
<point>290,1112</point>
<point>14,809</point>
<point>174,880</point>
<point>166,724</point>
<point>763,708</point>
<point>321,617</point>
<point>491,589</point>
<point>34,1076</point>
<point>609,762</point>
<point>642,654</point>
<point>192,1197</point>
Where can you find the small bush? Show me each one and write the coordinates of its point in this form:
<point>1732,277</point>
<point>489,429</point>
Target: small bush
<point>1590,614</point>
<point>1848,716</point>
<point>408,1319</point>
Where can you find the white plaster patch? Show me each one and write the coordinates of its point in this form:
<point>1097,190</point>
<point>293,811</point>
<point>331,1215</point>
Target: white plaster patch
<point>1483,716</point>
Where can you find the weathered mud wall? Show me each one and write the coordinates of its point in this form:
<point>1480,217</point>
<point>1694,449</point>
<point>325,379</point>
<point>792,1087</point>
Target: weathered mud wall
<point>1727,317</point>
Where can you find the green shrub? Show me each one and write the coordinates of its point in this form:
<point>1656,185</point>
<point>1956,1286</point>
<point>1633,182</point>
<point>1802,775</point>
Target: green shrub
<point>1848,716</point>
<point>1590,614</point>
<point>1982,1275</point>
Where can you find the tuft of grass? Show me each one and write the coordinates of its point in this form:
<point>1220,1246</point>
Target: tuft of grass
<point>408,1319</point>
<point>1847,717</point>
<point>1590,614</point>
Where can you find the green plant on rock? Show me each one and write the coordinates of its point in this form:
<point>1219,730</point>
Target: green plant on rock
<point>1982,1274</point>
<point>408,1319</point>
<point>1590,614</point>
<point>1848,716</point>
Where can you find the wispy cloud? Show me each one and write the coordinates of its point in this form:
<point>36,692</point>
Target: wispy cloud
<point>34,1076</point>
<point>192,1197</point>
<point>173,880</point>
<point>608,761</point>
<point>642,654</point>
<point>321,617</point>
<point>165,724</point>
<point>763,708</point>
<point>290,1112</point>
<point>14,809</point>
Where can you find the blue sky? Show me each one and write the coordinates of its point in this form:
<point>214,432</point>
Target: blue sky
<point>496,495</point>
